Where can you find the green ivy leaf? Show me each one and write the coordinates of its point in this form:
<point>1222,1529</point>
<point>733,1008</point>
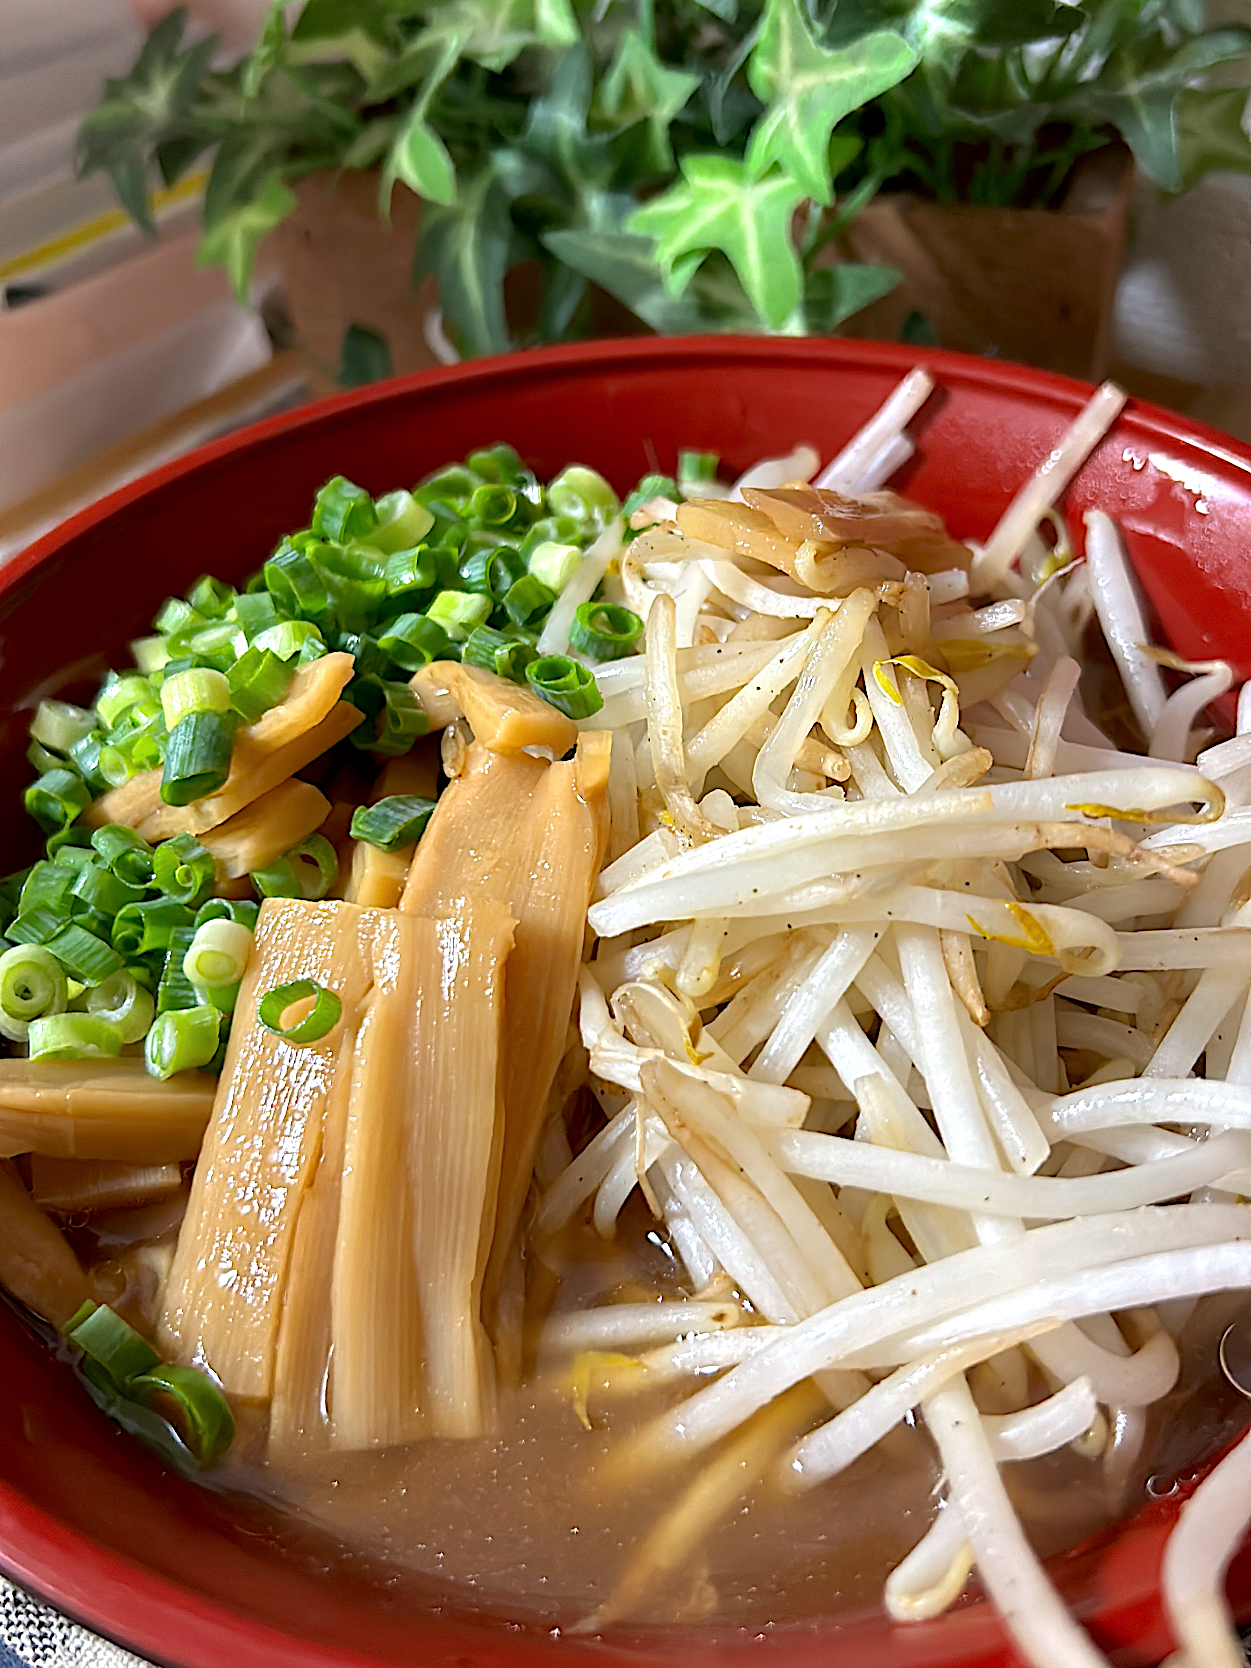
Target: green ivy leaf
<point>365,356</point>
<point>420,159</point>
<point>726,10</point>
<point>556,135</point>
<point>146,108</point>
<point>467,244</point>
<point>835,293</point>
<point>233,241</point>
<point>267,52</point>
<point>357,30</point>
<point>496,31</point>
<point>718,205</point>
<point>639,88</point>
<point>1211,133</point>
<point>809,88</point>
<point>625,265</point>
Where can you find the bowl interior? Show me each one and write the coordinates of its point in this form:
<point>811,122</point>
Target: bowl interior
<point>191,1578</point>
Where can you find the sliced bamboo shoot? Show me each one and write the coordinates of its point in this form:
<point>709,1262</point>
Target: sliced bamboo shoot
<point>302,726</point>
<point>504,716</point>
<point>267,828</point>
<point>101,1109</point>
<point>78,1186</point>
<point>36,1264</point>
<point>376,878</point>
<point>225,1292</point>
<point>473,844</point>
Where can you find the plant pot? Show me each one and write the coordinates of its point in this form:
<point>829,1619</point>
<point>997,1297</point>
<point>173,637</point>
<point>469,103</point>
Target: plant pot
<point>1035,285</point>
<point>341,265</point>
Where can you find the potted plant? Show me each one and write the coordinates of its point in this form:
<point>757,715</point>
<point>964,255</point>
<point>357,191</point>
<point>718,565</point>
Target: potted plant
<point>554,168</point>
<point>997,177</point>
<point>676,155</point>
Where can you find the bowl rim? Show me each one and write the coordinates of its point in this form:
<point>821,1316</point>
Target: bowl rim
<point>106,1591</point>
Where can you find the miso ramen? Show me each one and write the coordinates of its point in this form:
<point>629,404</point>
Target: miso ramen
<point>676,1059</point>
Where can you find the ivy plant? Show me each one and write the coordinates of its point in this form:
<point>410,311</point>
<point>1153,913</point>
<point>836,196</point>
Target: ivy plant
<point>694,158</point>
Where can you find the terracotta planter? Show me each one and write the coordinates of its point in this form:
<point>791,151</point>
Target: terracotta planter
<point>341,265</point>
<point>1035,285</point>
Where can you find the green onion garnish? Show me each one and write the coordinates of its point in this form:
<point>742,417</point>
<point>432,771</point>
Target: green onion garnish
<point>32,985</point>
<point>204,1412</point>
<point>495,652</point>
<point>72,1037</point>
<point>565,684</point>
<point>316,1024</point>
<point>122,697</point>
<point>343,511</point>
<point>211,597</point>
<point>316,864</point>
<point>182,869</point>
<point>410,570</point>
<point>277,880</point>
<point>290,639</point>
<point>651,486</point>
<point>97,887</point>
<point>294,582</point>
<point>182,1039</point>
<point>399,820</point>
<point>46,886</point>
<point>400,720</point>
<point>242,910</point>
<point>582,494</point>
<point>604,631</point>
<point>528,602</point>
<point>197,758</point>
<point>413,641</point>
<point>56,798</point>
<point>255,612</point>
<point>59,724</point>
<point>175,990</point>
<point>126,853</point>
<point>105,1337</point>
<point>150,653</point>
<point>258,680</point>
<point>175,614</point>
<point>554,564</point>
<point>150,925</point>
<point>493,505</point>
<point>218,955</point>
<point>458,612</point>
<point>200,689</point>
<point>696,469</point>
<point>496,463</point>
<point>35,926</point>
<point>402,522</point>
<point>124,1002</point>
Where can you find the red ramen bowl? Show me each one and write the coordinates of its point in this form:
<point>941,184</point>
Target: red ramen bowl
<point>195,1578</point>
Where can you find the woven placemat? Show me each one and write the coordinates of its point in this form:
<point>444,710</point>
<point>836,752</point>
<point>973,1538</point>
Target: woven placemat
<point>32,1636</point>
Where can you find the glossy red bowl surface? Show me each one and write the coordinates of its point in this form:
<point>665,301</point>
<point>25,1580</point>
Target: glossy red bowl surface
<point>189,1577</point>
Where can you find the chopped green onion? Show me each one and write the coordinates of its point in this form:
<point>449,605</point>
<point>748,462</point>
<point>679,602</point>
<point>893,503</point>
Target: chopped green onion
<point>46,886</point>
<point>255,612</point>
<point>458,612</point>
<point>199,690</point>
<point>496,463</point>
<point>115,767</point>
<point>402,522</point>
<point>83,953</point>
<point>85,758</point>
<point>291,638</point>
<point>554,565</point>
<point>294,583</point>
<point>124,1002</point>
<point>120,697</point>
<point>105,1337</point>
<point>528,602</point>
<point>197,759</point>
<point>72,1037</point>
<point>277,880</point>
<point>696,469</point>
<point>583,495</point>
<point>651,486</point>
<point>181,1039</point>
<point>565,684</point>
<point>494,652</point>
<point>150,653</point>
<point>99,888</point>
<point>257,681</point>
<point>74,854</point>
<point>151,925</point>
<point>413,641</point>
<point>35,926</point>
<point>59,724</point>
<point>452,485</point>
<point>175,990</point>
<point>343,511</point>
<point>399,721</point>
<point>355,583</point>
<point>217,642</point>
<point>604,631</point>
<point>41,758</point>
<point>126,853</point>
<point>218,955</point>
<point>493,505</point>
<point>399,820</point>
<point>410,570</point>
<point>224,998</point>
<point>32,985</point>
<point>316,864</point>
<point>56,798</point>
<point>211,597</point>
<point>203,1411</point>
<point>182,869</point>
<point>242,910</point>
<point>369,657</point>
<point>176,615</point>
<point>316,1024</point>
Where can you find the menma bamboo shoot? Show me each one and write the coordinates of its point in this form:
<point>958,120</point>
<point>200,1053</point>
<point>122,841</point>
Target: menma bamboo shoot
<point>36,1263</point>
<point>79,1186</point>
<point>266,829</point>
<point>101,1109</point>
<point>375,877</point>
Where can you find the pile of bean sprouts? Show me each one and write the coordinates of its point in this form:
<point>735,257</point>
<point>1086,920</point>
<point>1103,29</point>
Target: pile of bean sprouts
<point>861,919</point>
